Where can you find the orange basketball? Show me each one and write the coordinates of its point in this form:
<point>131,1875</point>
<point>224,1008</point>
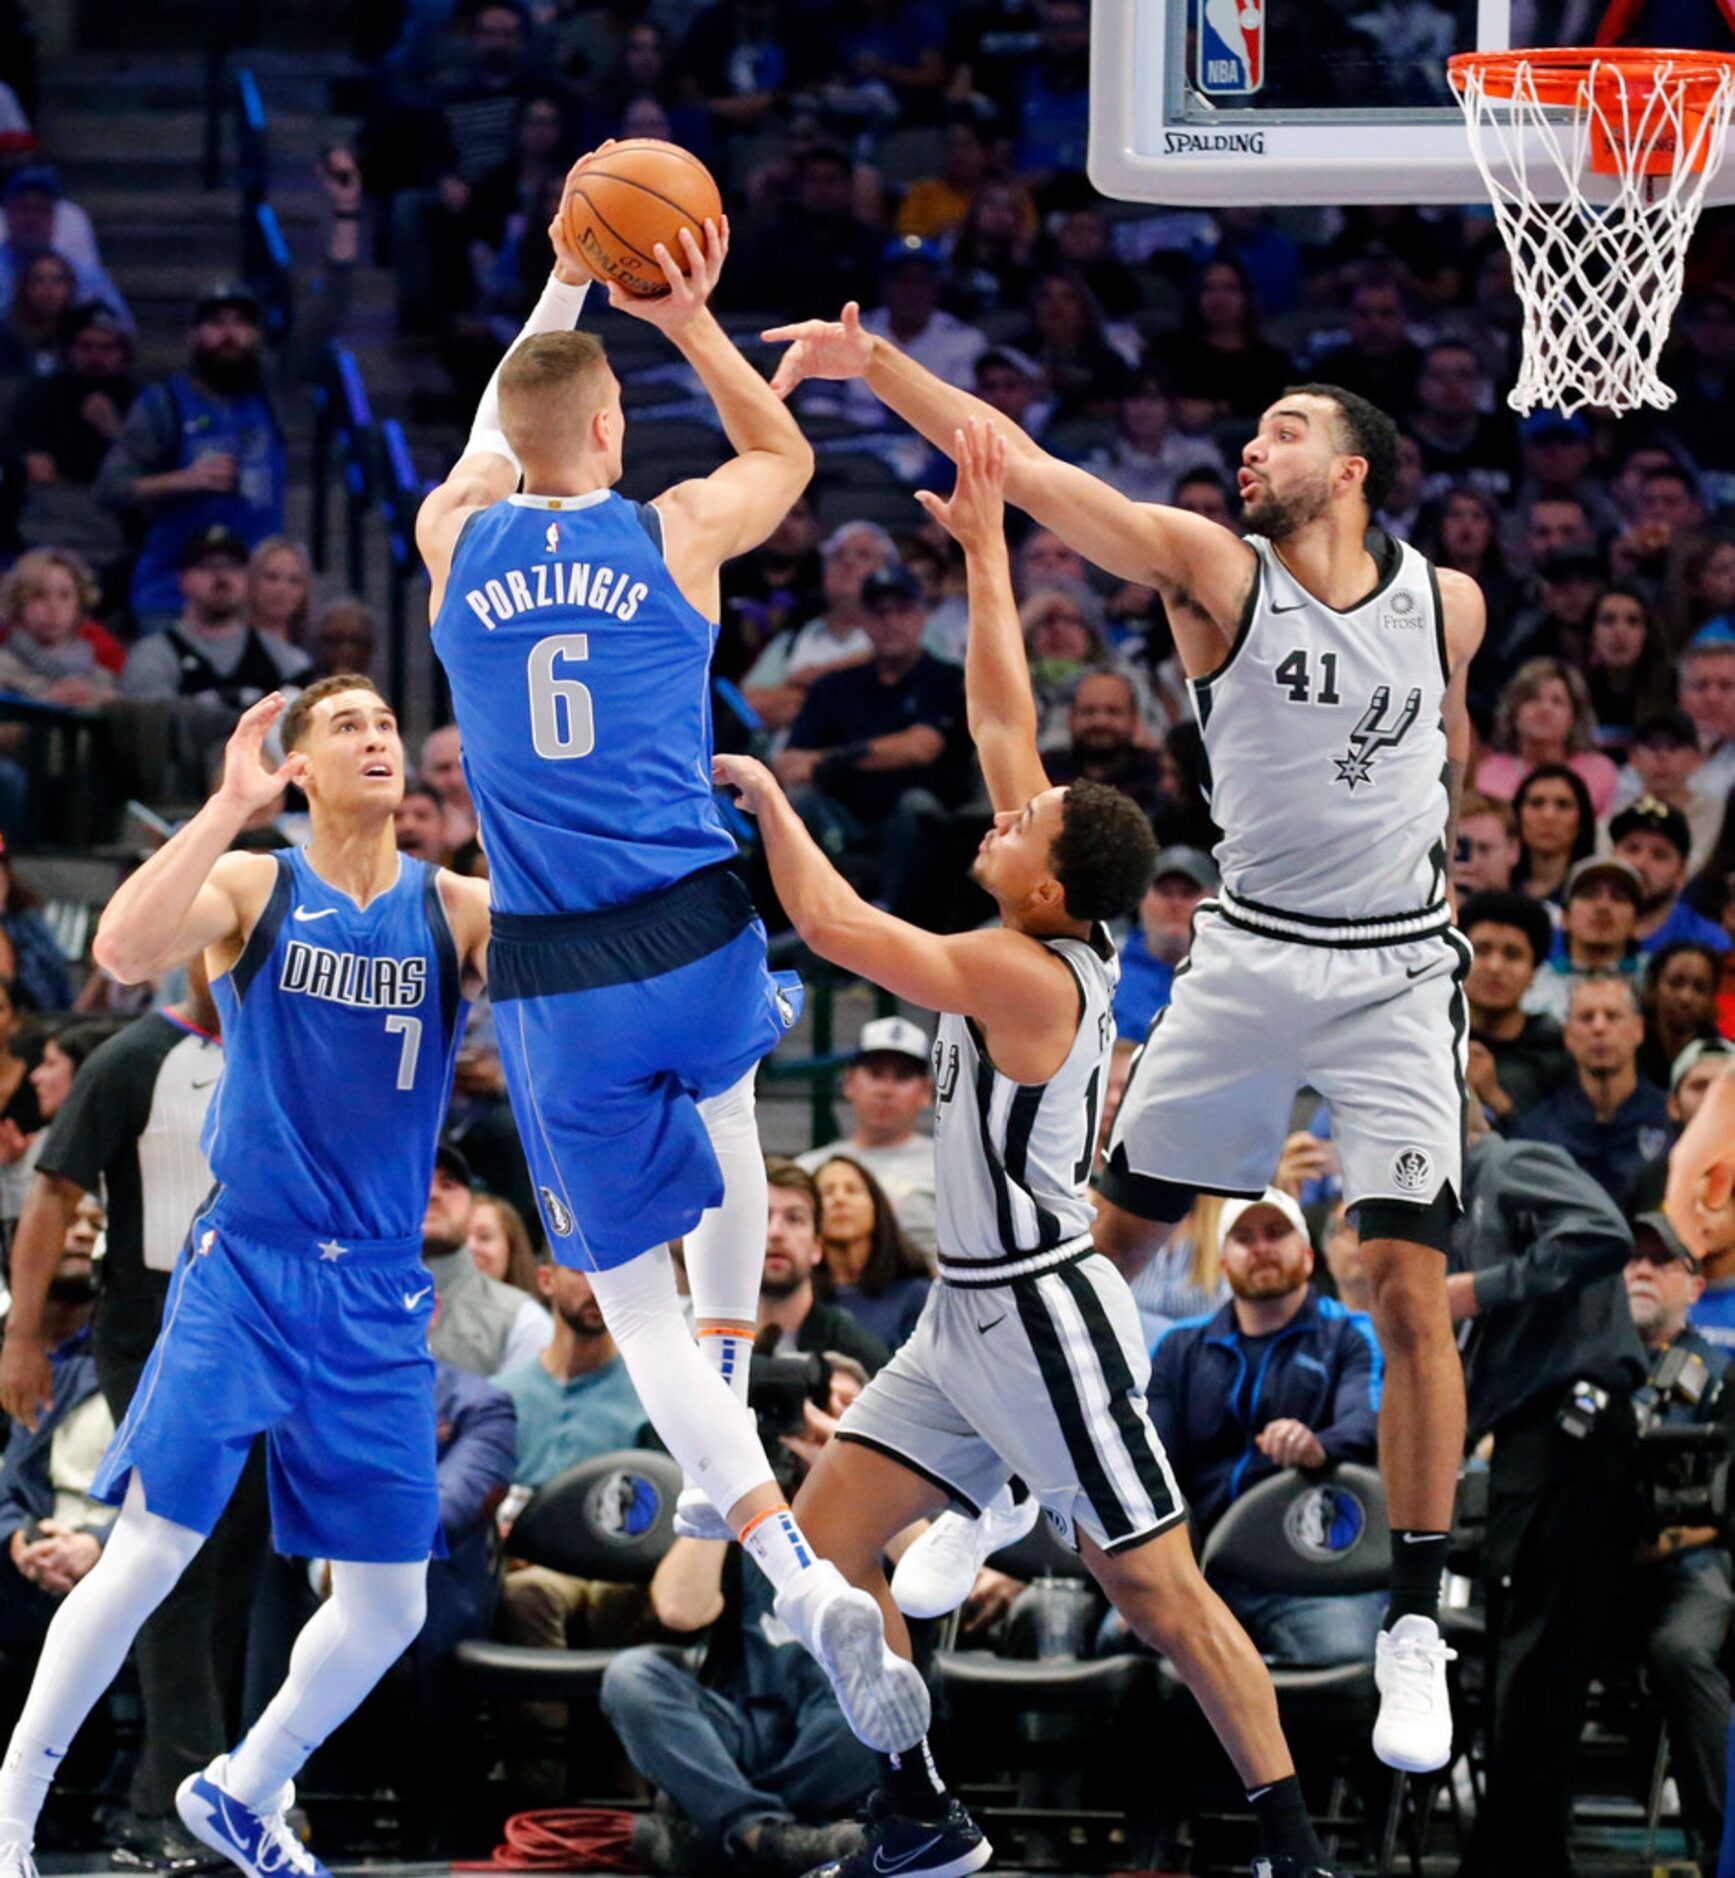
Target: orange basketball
<point>627,199</point>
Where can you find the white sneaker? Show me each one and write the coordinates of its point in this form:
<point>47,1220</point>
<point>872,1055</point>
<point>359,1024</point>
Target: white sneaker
<point>935,1575</point>
<point>695,1518</point>
<point>15,1859</point>
<point>883,1698</point>
<point>1413,1732</point>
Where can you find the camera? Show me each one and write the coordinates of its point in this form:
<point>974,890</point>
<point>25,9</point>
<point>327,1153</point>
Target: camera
<point>1683,1465</point>
<point>778,1391</point>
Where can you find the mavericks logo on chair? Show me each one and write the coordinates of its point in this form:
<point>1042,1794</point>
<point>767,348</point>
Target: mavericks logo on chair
<point>1326,1522</point>
<point>622,1507</point>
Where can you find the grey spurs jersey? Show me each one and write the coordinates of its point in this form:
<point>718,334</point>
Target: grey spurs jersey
<point>1011,1160</point>
<point>1326,753</point>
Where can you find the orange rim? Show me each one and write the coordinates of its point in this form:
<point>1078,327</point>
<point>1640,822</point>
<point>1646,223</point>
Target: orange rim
<point>1557,73</point>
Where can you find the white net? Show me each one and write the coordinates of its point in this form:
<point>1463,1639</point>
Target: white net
<point>1598,269</point>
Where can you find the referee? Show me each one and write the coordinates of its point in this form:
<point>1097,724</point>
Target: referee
<point>130,1131</point>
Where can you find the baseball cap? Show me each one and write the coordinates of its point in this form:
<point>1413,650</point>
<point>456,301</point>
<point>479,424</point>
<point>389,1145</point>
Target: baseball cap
<point>1715,632</point>
<point>214,540</point>
<point>893,1036</point>
<point>451,1160</point>
<point>1694,1054</point>
<point>844,530</point>
<point>1611,866</point>
<point>1193,864</point>
<point>225,293</point>
<point>41,177</point>
<point>1668,1248</point>
<point>911,248</point>
<point>891,583</point>
<point>1550,423</point>
<point>1272,1196</point>
<point>1659,818</point>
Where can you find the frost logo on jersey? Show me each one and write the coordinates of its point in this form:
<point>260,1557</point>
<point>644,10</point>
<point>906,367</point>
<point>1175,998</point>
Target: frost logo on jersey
<point>1231,48</point>
<point>1374,734</point>
<point>551,541</point>
<point>1399,612</point>
<point>559,1216</point>
<point>1413,1170</point>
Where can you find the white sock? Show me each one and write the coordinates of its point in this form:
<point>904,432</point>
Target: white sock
<point>778,1546</point>
<point>703,1425</point>
<point>372,1616</point>
<point>731,1356</point>
<point>84,1649</point>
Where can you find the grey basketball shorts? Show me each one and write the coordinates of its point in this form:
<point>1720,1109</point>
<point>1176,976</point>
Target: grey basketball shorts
<point>1043,1377</point>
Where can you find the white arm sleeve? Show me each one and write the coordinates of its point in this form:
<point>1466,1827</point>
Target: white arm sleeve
<point>556,312</point>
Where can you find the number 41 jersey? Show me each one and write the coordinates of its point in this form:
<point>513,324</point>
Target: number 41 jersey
<point>580,677</point>
<point>1326,749</point>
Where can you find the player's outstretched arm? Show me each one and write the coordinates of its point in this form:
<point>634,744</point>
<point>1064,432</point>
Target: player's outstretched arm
<point>193,893</point>
<point>997,689</point>
<point>1165,548</point>
<point>711,519</point>
<point>489,469</point>
<point>994,976</point>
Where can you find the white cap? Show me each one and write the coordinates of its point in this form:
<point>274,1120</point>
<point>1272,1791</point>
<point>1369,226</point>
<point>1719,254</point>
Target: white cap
<point>894,1036</point>
<point>1272,1196</point>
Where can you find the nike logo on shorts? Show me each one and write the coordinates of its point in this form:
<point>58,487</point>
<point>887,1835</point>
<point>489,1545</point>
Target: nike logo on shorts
<point>983,1329</point>
<point>308,912</point>
<point>413,1298</point>
<point>1417,971</point>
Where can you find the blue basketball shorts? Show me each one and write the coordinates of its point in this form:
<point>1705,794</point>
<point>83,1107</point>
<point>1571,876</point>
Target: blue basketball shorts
<point>322,1347</point>
<point>612,1027</point>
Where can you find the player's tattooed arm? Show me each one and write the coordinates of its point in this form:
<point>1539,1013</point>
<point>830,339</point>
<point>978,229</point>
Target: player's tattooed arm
<point>997,688</point>
<point>1463,621</point>
<point>193,894</point>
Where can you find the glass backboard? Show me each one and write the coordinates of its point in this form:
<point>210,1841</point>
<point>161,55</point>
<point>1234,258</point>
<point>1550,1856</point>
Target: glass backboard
<point>1206,103</point>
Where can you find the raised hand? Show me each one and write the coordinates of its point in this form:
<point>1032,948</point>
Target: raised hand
<point>569,265</point>
<point>688,291</point>
<point>821,349</point>
<point>976,514</point>
<point>247,783</point>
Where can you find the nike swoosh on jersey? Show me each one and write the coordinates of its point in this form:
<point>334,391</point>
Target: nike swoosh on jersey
<point>209,1083</point>
<point>309,912</point>
<point>1295,608</point>
<point>413,1298</point>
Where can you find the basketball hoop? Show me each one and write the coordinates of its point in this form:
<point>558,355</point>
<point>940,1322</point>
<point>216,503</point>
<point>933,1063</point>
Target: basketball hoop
<point>1628,141</point>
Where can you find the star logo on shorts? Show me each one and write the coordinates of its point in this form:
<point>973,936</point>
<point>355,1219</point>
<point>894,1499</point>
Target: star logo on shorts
<point>330,1251</point>
<point>1354,769</point>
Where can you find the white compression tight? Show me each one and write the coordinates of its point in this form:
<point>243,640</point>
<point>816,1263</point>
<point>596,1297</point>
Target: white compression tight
<point>725,1252</point>
<point>84,1649</point>
<point>372,1616</point>
<point>706,1429</point>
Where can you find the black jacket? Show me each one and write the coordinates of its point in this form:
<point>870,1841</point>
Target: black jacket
<point>1548,1249</point>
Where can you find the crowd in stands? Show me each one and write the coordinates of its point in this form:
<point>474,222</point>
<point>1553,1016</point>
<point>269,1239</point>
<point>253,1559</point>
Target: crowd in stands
<point>928,161</point>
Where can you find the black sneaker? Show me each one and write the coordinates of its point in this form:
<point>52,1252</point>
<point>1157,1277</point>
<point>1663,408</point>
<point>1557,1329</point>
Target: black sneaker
<point>900,1847</point>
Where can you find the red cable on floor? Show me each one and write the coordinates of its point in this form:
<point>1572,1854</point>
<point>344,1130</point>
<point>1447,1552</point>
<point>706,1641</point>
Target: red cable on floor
<point>569,1838</point>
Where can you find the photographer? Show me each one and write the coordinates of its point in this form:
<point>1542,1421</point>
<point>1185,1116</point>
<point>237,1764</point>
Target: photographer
<point>752,1759</point>
<point>1680,1602</point>
<point>1551,1361</point>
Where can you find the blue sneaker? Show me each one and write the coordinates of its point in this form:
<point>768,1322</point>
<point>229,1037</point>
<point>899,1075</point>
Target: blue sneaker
<point>259,1843</point>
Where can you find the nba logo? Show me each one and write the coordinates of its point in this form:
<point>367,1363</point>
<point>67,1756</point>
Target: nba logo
<point>1231,43</point>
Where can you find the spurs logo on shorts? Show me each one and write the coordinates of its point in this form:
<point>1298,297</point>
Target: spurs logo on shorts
<point>556,1211</point>
<point>1413,1171</point>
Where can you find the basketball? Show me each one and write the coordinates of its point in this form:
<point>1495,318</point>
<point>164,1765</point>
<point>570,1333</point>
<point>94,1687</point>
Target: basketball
<point>628,198</point>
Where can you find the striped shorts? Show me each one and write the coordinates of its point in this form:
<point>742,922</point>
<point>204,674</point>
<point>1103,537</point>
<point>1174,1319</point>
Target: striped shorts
<point>1043,1377</point>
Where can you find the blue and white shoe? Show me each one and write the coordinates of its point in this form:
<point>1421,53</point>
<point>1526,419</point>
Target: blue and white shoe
<point>897,1846</point>
<point>261,1844</point>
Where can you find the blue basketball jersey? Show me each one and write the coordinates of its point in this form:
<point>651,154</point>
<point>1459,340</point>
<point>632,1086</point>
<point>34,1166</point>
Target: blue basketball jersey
<point>580,677</point>
<point>340,1032</point>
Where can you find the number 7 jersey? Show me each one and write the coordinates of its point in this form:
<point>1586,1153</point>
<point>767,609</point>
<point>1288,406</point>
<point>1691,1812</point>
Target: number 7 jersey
<point>580,679</point>
<point>340,1032</point>
<point>1325,747</point>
